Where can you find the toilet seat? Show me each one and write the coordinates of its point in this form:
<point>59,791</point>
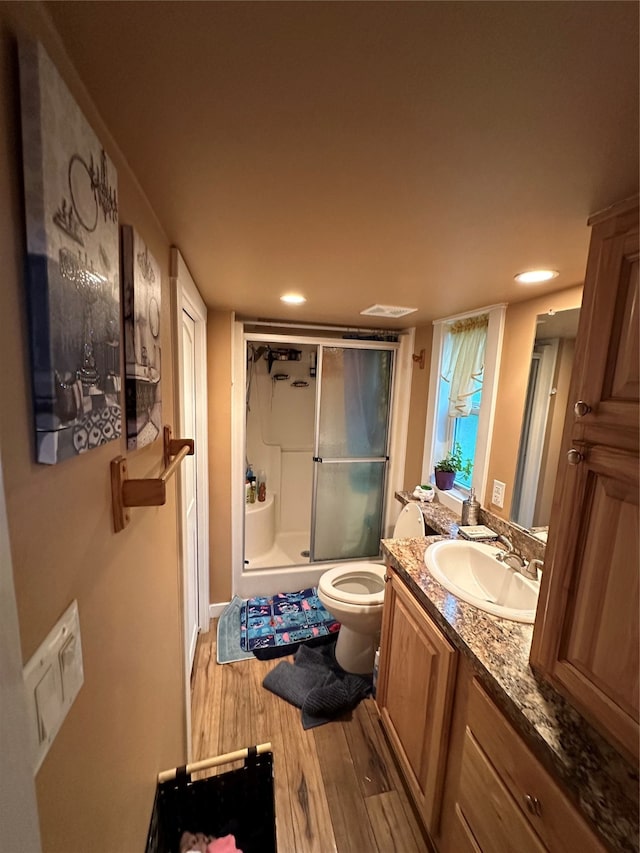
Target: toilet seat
<point>354,595</point>
<point>362,584</point>
<point>410,523</point>
<point>342,584</point>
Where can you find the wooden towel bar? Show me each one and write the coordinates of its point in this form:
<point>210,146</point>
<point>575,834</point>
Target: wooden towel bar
<point>151,491</point>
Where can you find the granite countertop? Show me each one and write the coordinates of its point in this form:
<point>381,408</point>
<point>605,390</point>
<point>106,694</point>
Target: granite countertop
<point>446,522</point>
<point>599,780</point>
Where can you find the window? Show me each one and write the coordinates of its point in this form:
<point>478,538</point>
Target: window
<point>465,363</point>
<point>461,380</point>
<point>464,433</point>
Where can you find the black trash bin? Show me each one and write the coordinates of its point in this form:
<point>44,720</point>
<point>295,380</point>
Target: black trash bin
<point>239,802</point>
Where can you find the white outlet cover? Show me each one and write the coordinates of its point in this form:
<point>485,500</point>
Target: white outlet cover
<point>497,497</point>
<point>52,678</point>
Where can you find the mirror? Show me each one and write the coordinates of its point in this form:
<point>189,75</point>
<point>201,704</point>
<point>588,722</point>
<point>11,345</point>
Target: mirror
<point>543,421</point>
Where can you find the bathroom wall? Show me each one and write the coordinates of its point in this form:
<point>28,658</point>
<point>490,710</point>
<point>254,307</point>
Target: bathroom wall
<point>553,435</point>
<point>519,335</point>
<point>95,788</point>
<point>418,408</point>
<point>219,362</point>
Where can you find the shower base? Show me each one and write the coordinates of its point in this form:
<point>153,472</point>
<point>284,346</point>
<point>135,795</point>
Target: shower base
<point>286,551</point>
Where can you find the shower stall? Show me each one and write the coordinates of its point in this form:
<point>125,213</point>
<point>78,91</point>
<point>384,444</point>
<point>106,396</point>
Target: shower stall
<point>318,428</point>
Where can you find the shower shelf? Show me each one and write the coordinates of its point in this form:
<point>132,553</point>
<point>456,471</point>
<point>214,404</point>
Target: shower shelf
<point>282,355</point>
<point>151,491</point>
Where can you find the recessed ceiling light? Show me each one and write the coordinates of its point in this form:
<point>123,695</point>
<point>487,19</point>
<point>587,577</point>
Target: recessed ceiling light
<point>293,298</point>
<point>535,276</point>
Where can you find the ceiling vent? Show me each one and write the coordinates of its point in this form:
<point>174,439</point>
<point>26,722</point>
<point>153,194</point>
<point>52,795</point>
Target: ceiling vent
<point>392,311</point>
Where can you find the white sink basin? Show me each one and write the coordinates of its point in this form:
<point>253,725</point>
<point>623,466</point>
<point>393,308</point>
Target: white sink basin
<point>471,572</point>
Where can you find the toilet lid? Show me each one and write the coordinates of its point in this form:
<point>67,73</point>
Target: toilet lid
<point>357,583</point>
<point>410,523</point>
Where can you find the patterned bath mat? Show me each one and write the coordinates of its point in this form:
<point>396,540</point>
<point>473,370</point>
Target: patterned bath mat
<point>280,622</point>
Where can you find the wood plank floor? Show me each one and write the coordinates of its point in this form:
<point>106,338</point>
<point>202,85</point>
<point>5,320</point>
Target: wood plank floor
<point>337,787</point>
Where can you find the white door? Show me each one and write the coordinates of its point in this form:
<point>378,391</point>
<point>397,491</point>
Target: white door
<point>190,318</point>
<point>189,487</point>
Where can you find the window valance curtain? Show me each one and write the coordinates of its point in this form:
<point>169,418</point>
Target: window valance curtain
<point>463,362</point>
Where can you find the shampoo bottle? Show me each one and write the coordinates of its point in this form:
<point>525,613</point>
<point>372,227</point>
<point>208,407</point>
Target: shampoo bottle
<point>262,486</point>
<point>251,479</point>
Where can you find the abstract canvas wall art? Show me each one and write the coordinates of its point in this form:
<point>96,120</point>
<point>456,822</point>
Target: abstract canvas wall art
<point>141,290</point>
<point>71,209</point>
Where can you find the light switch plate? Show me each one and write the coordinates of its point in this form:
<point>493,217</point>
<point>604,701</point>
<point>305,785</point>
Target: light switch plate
<point>52,679</point>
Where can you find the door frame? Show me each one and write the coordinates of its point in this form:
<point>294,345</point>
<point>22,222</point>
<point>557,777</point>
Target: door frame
<point>188,326</point>
<point>185,296</point>
<point>529,461</point>
<point>18,803</point>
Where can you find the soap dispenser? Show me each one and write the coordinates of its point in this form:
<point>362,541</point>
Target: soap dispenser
<point>470,509</point>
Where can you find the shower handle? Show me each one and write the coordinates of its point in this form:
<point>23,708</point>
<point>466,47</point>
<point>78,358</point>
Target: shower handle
<point>337,459</point>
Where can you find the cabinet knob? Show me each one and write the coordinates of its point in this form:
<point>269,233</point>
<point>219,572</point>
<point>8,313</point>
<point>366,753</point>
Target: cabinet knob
<point>581,409</point>
<point>533,804</point>
<point>574,457</point>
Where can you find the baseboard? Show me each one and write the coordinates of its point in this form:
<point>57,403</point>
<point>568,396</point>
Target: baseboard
<point>216,609</point>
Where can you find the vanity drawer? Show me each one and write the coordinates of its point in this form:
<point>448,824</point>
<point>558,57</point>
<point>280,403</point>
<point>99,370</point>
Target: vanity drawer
<point>548,810</point>
<point>497,824</point>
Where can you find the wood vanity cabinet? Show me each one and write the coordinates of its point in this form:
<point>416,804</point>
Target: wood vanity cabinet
<point>414,695</point>
<point>586,637</point>
<point>498,797</point>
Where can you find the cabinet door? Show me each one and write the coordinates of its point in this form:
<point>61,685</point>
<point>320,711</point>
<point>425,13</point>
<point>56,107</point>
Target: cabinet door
<point>416,681</point>
<point>586,637</point>
<point>462,839</point>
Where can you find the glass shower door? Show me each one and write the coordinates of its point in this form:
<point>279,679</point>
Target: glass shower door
<point>351,452</point>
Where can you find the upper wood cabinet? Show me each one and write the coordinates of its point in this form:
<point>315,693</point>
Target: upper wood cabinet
<point>415,690</point>
<point>586,637</point>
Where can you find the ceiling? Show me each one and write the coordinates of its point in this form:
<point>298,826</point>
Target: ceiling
<point>410,154</point>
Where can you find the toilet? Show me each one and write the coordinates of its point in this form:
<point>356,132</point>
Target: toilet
<point>353,593</point>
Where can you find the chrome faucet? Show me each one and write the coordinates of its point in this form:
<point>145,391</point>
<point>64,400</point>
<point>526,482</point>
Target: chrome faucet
<point>515,561</point>
<point>531,569</point>
<point>509,557</point>
<point>506,541</point>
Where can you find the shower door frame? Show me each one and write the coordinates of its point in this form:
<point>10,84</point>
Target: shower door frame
<point>317,460</point>
<point>264,581</point>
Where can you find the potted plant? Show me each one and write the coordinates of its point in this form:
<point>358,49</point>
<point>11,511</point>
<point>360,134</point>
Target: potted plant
<point>447,468</point>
